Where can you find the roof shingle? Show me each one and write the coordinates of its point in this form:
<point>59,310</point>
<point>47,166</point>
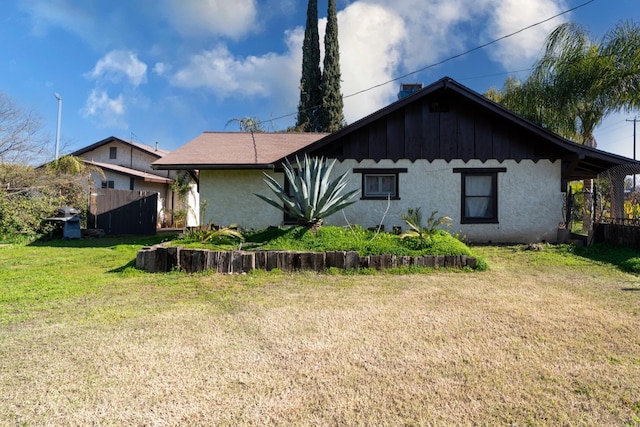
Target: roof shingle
<point>211,150</point>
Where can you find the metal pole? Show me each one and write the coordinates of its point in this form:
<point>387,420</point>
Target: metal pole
<point>59,98</point>
<point>635,119</point>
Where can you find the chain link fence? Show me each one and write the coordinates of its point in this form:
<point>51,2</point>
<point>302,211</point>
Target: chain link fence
<point>616,196</point>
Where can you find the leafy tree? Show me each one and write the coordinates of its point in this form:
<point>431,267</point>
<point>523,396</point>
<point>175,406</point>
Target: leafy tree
<point>315,196</point>
<point>578,82</point>
<point>29,194</point>
<point>310,93</point>
<point>331,115</point>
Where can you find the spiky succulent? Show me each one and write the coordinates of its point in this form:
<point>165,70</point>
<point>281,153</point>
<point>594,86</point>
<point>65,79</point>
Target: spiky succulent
<point>314,195</point>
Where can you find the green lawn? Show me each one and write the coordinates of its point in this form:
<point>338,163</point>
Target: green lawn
<point>542,338</point>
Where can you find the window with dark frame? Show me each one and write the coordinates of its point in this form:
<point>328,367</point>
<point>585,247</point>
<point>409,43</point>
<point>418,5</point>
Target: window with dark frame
<point>380,183</point>
<point>479,195</point>
<point>108,184</point>
<point>113,152</point>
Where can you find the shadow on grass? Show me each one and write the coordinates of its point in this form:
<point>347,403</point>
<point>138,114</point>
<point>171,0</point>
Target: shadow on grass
<point>131,264</point>
<point>272,233</point>
<point>625,258</point>
<point>105,242</point>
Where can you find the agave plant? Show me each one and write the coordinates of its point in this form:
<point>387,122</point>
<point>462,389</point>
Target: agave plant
<point>413,218</point>
<point>314,196</point>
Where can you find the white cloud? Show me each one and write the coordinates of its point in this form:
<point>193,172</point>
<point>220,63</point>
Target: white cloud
<point>58,13</point>
<point>212,17</point>
<point>107,111</point>
<point>120,63</point>
<point>253,76</point>
<point>512,15</point>
<point>368,56</point>
<point>379,40</point>
<point>160,68</point>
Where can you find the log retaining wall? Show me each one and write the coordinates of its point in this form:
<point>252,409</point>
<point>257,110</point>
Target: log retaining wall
<point>161,259</point>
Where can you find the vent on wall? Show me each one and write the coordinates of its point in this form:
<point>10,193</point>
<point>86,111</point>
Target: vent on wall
<point>407,89</point>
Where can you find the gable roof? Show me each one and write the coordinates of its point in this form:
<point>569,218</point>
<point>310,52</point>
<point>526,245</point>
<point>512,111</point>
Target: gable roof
<point>134,173</point>
<point>580,161</point>
<point>157,152</point>
<point>235,150</point>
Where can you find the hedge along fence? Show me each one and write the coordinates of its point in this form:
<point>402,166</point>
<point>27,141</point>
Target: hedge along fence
<point>160,259</point>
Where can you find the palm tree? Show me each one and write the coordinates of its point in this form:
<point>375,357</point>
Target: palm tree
<point>583,81</point>
<point>251,125</point>
<point>578,82</point>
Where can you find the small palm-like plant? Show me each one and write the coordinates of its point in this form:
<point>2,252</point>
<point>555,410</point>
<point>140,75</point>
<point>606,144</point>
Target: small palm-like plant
<point>209,233</point>
<point>413,218</point>
<point>314,196</point>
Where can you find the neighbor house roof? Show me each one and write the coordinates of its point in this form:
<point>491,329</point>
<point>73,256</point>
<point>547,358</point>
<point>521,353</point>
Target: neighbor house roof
<point>158,152</point>
<point>145,176</point>
<point>236,150</point>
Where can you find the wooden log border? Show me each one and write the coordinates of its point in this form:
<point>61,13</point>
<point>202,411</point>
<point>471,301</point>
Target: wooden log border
<point>161,259</point>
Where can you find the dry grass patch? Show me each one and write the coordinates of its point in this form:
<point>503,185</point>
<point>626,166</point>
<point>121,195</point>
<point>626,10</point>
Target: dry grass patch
<point>530,342</point>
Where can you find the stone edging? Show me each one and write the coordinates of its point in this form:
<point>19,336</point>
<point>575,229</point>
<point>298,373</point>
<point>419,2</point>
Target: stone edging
<point>160,259</point>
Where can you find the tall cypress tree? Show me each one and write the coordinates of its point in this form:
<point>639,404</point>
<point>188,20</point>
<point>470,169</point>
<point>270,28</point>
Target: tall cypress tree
<point>310,94</point>
<point>331,115</point>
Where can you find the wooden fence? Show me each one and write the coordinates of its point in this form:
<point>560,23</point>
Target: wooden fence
<point>158,259</point>
<point>617,234</point>
<point>123,212</point>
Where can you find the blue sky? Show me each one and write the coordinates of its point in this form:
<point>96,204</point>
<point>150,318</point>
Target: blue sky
<point>166,70</point>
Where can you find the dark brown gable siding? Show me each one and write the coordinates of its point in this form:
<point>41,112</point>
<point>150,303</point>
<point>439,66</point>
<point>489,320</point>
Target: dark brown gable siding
<point>483,136</point>
<point>378,140</point>
<point>466,135</point>
<point>431,131</point>
<point>441,127</point>
<point>413,131</point>
<point>396,126</point>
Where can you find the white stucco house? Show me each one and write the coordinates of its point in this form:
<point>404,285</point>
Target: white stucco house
<point>126,165</point>
<point>445,148</point>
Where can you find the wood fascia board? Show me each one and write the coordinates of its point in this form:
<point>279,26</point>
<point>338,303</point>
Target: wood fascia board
<point>206,166</point>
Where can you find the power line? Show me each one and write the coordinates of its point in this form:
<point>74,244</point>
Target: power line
<point>482,46</point>
<point>450,58</point>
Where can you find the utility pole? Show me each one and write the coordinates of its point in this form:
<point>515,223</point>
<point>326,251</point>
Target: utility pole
<point>59,98</point>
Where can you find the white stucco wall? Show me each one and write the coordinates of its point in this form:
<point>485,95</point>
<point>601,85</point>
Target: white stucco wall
<point>529,198</point>
<point>230,199</point>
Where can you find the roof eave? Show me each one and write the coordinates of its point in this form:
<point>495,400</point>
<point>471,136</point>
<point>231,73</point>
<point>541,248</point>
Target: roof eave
<point>208,166</point>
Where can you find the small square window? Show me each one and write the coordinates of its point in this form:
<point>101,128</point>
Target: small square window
<point>113,152</point>
<point>380,183</point>
<point>108,184</point>
<point>383,185</point>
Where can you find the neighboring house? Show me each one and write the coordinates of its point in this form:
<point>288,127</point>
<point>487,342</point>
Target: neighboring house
<point>126,165</point>
<point>445,148</point>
